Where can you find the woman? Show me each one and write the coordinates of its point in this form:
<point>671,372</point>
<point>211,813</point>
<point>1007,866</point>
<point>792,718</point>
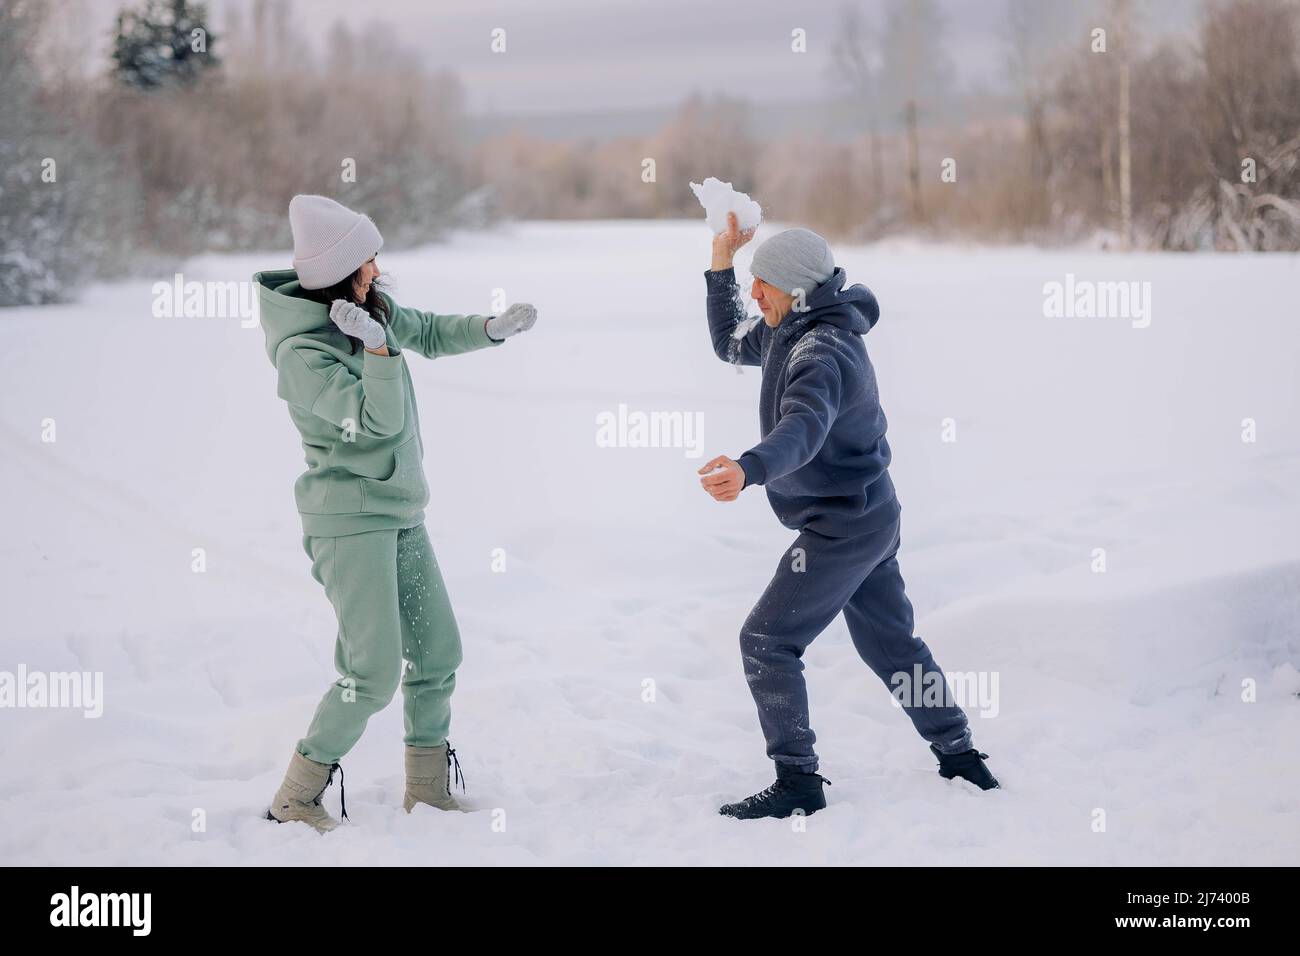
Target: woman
<point>337,340</point>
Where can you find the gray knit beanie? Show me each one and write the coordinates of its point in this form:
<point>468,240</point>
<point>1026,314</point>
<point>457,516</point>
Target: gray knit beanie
<point>794,259</point>
<point>330,241</point>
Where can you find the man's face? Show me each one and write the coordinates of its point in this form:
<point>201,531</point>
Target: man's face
<point>774,303</point>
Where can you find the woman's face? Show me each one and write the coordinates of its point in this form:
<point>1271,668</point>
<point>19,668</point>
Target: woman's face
<point>368,273</point>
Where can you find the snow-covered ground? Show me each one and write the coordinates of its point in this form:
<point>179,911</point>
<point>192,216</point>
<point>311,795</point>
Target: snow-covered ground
<point>1119,691</point>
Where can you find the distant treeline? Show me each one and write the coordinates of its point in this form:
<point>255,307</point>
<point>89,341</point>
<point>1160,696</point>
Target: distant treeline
<point>1203,151</point>
<point>194,141</point>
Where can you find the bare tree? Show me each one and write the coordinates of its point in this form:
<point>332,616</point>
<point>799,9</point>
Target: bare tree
<point>856,61</point>
<point>1122,18</point>
<point>917,72</point>
<point>1036,33</point>
<point>705,137</point>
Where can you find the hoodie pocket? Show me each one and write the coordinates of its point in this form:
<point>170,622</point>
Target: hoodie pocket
<point>404,491</point>
<point>331,492</point>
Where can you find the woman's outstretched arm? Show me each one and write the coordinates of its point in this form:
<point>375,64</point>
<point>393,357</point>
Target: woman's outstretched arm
<point>434,335</point>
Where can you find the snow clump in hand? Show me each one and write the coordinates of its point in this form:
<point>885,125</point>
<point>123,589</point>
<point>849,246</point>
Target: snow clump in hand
<point>718,199</point>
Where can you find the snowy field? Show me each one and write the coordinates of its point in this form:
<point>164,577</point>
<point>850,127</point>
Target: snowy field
<point>1118,692</point>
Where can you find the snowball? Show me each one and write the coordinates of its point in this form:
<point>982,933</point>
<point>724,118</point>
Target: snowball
<point>718,199</point>
<point>742,328</point>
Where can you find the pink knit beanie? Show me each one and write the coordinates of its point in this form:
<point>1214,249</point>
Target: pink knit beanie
<point>330,241</point>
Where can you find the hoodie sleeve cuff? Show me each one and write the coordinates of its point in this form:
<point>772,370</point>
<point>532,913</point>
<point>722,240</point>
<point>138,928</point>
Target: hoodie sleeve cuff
<point>755,473</point>
<point>481,335</point>
<point>720,281</point>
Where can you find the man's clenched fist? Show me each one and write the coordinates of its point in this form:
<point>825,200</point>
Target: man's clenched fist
<point>723,478</point>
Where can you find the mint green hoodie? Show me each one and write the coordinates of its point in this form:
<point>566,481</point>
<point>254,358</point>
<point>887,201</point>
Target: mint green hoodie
<point>356,412</point>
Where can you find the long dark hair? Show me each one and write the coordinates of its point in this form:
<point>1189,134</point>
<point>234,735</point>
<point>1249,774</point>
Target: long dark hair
<point>375,303</point>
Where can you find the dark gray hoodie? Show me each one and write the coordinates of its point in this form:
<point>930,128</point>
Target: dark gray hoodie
<point>823,459</point>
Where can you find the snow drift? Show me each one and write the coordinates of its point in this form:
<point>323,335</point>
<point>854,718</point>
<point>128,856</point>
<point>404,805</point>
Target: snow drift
<point>601,715</point>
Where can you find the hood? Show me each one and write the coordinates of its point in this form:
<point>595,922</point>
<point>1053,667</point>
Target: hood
<point>853,309</point>
<point>283,312</point>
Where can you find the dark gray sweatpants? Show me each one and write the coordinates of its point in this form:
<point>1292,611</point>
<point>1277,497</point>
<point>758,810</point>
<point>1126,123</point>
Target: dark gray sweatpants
<point>816,579</point>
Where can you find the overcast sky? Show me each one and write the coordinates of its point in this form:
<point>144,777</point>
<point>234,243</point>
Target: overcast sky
<point>571,55</point>
<point>601,54</point>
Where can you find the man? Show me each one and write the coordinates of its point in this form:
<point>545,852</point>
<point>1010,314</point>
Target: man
<point>824,461</point>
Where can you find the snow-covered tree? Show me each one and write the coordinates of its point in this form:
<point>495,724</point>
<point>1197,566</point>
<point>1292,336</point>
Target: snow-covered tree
<point>65,210</point>
<point>167,43</point>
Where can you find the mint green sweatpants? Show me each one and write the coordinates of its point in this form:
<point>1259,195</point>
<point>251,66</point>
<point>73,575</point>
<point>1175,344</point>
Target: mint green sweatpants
<point>395,626</point>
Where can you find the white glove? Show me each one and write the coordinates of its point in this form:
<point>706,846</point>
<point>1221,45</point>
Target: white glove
<point>356,321</point>
<point>518,318</point>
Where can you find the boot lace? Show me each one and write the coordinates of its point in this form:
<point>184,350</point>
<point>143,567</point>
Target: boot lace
<point>343,801</point>
<point>460,777</point>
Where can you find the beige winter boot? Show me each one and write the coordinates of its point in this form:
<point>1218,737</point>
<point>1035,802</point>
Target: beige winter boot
<point>299,796</point>
<point>428,777</point>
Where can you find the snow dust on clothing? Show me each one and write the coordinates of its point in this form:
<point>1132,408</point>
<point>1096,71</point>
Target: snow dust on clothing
<point>815,579</point>
<point>362,501</point>
<point>395,626</point>
<point>823,459</point>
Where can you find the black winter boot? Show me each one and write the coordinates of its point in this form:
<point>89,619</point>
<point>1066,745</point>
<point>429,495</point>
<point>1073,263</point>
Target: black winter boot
<point>792,791</point>
<point>968,765</point>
